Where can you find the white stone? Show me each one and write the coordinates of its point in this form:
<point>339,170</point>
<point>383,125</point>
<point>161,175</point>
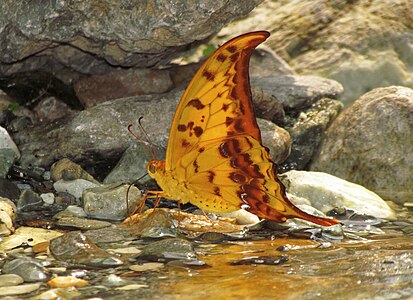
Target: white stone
<point>325,192</point>
<point>7,143</point>
<point>242,216</point>
<point>19,289</point>
<point>47,198</point>
<point>74,187</point>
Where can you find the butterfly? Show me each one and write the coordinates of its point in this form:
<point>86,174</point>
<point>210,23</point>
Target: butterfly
<point>215,158</point>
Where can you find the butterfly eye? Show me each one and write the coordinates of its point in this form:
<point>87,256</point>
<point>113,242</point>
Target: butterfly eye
<point>152,168</point>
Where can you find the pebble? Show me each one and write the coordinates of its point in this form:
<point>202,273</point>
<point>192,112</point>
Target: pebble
<point>75,247</point>
<point>9,152</point>
<point>81,223</point>
<point>131,287</point>
<point>242,216</point>
<point>7,216</point>
<point>67,281</point>
<point>128,250</point>
<point>10,280</point>
<point>167,250</point>
<point>74,187</point>
<point>147,267</point>
<point>47,198</point>
<point>109,201</point>
<point>68,170</point>
<point>59,293</point>
<point>71,211</point>
<point>29,269</point>
<point>19,289</point>
<point>29,200</point>
<point>113,280</point>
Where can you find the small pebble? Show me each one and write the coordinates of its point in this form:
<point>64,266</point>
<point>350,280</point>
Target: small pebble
<point>10,280</point>
<point>67,281</point>
<point>47,198</point>
<point>131,287</point>
<point>19,289</point>
<point>71,211</point>
<point>146,267</point>
<point>29,269</point>
<point>113,281</point>
<point>128,250</point>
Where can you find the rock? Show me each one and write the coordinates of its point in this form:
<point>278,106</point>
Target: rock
<point>132,164</point>
<point>94,40</point>
<point>29,269</point>
<point>325,192</point>
<point>265,62</point>
<point>48,198</point>
<point>267,106</point>
<point>59,293</point>
<point>8,189</point>
<point>370,143</point>
<point>19,289</point>
<point>10,280</point>
<point>7,216</point>
<point>68,170</point>
<point>167,250</point>
<point>242,216</point>
<point>296,92</point>
<point>308,131</point>
<point>109,202</point>
<point>276,139</point>
<point>363,44</point>
<point>8,152</point>
<point>67,281</point>
<point>81,223</point>
<point>27,236</point>
<point>152,266</point>
<point>112,234</point>
<point>122,83</point>
<point>74,247</point>
<point>29,201</point>
<point>50,109</point>
<point>74,187</point>
<point>113,280</point>
<point>65,199</point>
<point>71,211</point>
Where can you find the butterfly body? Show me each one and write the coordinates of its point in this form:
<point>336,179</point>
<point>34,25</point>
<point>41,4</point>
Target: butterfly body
<point>215,158</point>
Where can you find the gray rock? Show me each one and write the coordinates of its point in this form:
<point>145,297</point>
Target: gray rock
<point>370,143</point>
<point>276,139</point>
<point>308,131</point>
<point>8,189</point>
<point>74,187</point>
<point>71,211</point>
<point>50,109</point>
<point>75,247</point>
<point>266,106</point>
<point>295,92</point>
<point>109,202</point>
<point>19,289</point>
<point>111,34</point>
<point>10,280</point>
<point>8,152</point>
<point>29,269</point>
<point>68,170</point>
<point>29,200</point>
<point>167,250</point>
<point>81,223</point>
<point>112,234</point>
<point>48,198</point>
<point>326,192</point>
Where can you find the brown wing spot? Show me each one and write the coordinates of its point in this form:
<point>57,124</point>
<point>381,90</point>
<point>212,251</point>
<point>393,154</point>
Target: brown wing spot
<point>237,177</point>
<point>228,121</point>
<point>238,125</point>
<point>181,127</point>
<point>196,166</point>
<point>185,143</point>
<point>211,176</point>
<point>234,94</point>
<point>232,49</point>
<point>217,191</point>
<point>196,103</point>
<point>266,198</point>
<point>234,57</point>
<point>229,148</point>
<point>221,57</point>
<point>198,131</point>
<point>190,125</point>
<point>225,106</point>
<point>208,75</point>
<point>202,149</point>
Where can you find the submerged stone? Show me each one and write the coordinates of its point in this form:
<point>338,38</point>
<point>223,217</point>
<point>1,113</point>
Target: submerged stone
<point>29,269</point>
<point>167,250</point>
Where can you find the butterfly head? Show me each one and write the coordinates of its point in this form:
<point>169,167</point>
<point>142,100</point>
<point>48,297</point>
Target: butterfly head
<point>155,167</point>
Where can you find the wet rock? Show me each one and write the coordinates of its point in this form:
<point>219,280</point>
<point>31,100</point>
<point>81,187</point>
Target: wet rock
<point>112,234</point>
<point>370,143</point>
<point>29,269</point>
<point>71,211</point>
<point>325,192</point>
<point>167,250</point>
<point>27,236</point>
<point>265,62</point>
<point>153,223</point>
<point>9,189</point>
<point>29,201</point>
<point>67,281</point>
<point>113,280</point>
<point>99,88</point>
<point>242,216</point>
<point>59,293</point>
<point>308,131</point>
<point>19,289</point>
<point>10,280</point>
<point>68,170</point>
<point>8,152</point>
<point>277,139</point>
<point>74,187</point>
<point>50,109</point>
<point>132,164</point>
<point>295,92</point>
<point>153,266</point>
<point>75,247</point>
<point>65,199</point>
<point>267,106</point>
<point>7,216</point>
<point>81,223</point>
<point>109,202</point>
<point>261,260</point>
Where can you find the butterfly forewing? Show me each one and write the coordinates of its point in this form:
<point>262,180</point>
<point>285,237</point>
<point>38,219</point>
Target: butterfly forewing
<point>217,102</point>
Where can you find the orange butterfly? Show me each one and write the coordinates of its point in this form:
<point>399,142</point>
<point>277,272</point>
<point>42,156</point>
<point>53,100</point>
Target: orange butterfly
<point>215,158</point>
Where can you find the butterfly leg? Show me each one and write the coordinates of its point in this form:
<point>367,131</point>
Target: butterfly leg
<point>138,210</point>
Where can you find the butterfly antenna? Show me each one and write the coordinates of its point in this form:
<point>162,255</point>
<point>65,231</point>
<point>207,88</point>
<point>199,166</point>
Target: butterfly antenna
<point>150,149</point>
<point>146,135</point>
